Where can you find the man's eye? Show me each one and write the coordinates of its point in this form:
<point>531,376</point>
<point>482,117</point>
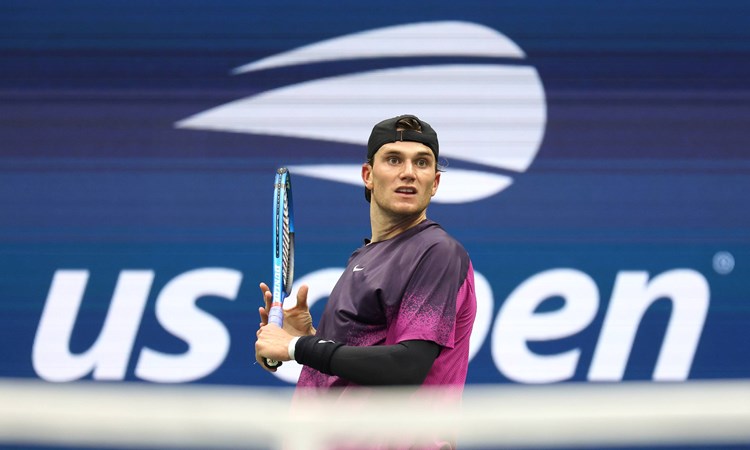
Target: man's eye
<point>392,160</point>
<point>422,163</point>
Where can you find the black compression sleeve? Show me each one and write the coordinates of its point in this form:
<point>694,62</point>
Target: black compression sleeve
<point>406,363</point>
<point>316,353</point>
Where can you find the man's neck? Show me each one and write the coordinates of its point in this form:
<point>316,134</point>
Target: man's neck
<point>384,228</point>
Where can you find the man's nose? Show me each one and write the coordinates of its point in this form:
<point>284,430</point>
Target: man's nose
<point>408,170</point>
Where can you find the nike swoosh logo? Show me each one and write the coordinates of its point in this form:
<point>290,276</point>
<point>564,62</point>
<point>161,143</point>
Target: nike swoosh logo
<point>357,268</point>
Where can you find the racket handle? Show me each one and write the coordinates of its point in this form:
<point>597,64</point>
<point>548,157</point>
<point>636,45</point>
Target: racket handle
<point>275,316</point>
<point>272,363</point>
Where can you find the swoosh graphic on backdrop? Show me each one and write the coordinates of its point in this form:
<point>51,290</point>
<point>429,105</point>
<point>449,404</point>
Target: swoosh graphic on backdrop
<point>464,185</point>
<point>490,114</point>
<point>450,38</point>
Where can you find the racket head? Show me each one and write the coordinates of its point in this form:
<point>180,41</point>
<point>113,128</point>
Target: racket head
<point>283,244</point>
<point>284,240</point>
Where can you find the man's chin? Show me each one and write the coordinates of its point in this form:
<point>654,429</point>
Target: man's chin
<point>406,209</point>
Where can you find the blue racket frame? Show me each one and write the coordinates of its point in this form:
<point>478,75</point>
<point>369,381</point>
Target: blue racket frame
<point>283,211</point>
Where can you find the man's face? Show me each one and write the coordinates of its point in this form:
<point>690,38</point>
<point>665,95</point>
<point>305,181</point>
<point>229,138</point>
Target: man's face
<point>403,178</point>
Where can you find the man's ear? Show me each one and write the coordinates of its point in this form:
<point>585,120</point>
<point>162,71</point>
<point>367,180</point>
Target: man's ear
<point>436,183</point>
<point>367,175</point>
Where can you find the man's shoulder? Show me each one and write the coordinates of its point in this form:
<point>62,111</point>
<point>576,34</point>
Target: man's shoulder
<point>434,230</point>
<point>437,239</point>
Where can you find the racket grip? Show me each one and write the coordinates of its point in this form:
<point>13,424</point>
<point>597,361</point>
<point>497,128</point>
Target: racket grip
<point>276,316</point>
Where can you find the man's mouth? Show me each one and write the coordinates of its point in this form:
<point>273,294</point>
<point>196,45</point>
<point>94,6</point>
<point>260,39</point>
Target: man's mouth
<point>406,190</point>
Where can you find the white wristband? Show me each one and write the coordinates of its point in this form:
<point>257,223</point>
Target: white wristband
<point>292,345</point>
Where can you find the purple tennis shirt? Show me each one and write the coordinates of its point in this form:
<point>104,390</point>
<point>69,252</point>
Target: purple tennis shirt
<point>417,285</point>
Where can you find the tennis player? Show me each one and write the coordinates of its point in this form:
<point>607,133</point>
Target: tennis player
<point>403,310</point>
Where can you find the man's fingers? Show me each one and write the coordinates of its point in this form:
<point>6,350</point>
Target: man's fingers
<point>302,297</point>
<point>267,295</point>
<point>268,298</point>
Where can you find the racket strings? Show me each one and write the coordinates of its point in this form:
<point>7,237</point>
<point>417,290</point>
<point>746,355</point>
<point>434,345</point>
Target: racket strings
<point>285,242</point>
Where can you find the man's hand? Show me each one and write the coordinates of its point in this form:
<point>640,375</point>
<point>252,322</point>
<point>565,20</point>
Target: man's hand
<point>297,319</point>
<point>272,343</point>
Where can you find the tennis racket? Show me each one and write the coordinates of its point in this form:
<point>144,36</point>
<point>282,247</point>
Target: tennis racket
<point>283,248</point>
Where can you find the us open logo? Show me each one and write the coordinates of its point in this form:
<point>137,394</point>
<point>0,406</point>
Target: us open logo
<point>491,113</point>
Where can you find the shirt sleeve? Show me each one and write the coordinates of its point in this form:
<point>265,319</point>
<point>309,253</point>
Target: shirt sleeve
<point>427,310</point>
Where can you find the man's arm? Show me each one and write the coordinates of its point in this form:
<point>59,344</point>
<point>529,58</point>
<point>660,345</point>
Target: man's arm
<point>405,363</point>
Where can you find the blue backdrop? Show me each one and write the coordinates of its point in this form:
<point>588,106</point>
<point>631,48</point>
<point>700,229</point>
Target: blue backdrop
<point>131,246</point>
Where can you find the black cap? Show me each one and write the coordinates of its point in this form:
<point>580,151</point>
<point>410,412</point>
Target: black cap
<point>386,132</point>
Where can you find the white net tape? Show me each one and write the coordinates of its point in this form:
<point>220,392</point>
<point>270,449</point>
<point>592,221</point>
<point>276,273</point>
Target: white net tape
<point>508,416</point>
